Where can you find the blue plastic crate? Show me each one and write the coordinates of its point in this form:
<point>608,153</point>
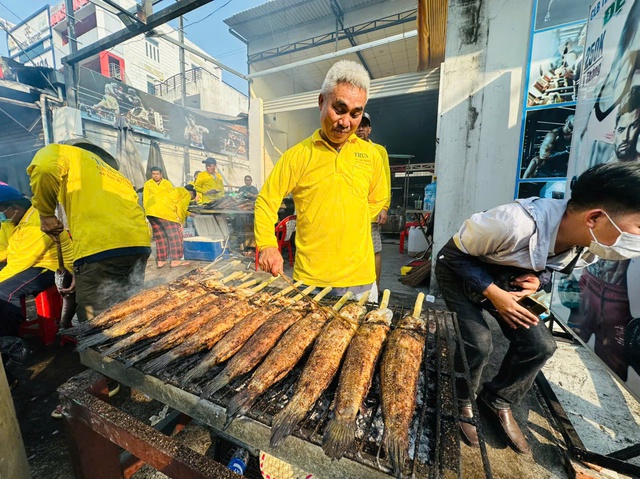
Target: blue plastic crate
<point>201,248</point>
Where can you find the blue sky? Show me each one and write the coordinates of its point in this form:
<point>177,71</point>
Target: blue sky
<point>212,34</point>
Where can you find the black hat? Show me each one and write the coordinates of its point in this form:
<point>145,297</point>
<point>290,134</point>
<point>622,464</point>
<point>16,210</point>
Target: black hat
<point>210,161</point>
<point>365,116</point>
<point>93,148</point>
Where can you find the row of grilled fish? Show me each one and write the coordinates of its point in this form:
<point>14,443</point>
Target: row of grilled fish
<point>269,335</point>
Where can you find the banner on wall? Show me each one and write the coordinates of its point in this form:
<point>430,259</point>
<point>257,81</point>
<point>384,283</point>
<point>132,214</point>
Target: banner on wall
<point>597,302</point>
<point>553,84</point>
<point>104,99</point>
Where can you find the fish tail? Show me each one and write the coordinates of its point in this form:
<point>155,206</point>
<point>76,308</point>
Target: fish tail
<point>284,423</point>
<point>396,448</point>
<point>241,403</point>
<point>338,437</point>
<point>118,346</point>
<point>217,383</point>
<point>194,373</point>
<point>160,362</point>
<point>92,341</point>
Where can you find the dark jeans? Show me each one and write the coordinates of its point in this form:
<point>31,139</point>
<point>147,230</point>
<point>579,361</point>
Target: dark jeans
<point>102,284</point>
<point>528,351</point>
<point>29,282</point>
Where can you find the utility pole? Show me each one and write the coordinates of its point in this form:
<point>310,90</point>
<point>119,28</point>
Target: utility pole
<point>183,93</point>
<point>71,70</point>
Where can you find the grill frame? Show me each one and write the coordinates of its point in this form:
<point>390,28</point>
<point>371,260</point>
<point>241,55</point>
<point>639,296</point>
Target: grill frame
<point>437,425</point>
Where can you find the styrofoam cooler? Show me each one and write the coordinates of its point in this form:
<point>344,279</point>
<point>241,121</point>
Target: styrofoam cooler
<point>201,248</point>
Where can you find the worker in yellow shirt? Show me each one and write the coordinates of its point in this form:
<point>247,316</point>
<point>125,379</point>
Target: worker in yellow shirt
<point>156,186</point>
<point>32,258</point>
<point>209,182</point>
<point>167,214</point>
<point>338,185</point>
<point>111,241</point>
<point>363,132</point>
<point>6,230</point>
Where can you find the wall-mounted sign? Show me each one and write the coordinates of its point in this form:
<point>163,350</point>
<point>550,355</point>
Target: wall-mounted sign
<point>601,303</point>
<point>28,33</point>
<point>103,99</point>
<point>59,11</point>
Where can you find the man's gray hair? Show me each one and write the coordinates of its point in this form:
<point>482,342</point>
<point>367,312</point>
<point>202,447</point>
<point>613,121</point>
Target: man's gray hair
<point>346,71</point>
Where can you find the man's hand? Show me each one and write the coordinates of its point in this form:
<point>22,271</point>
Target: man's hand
<point>271,261</point>
<point>529,283</point>
<point>52,226</point>
<point>506,304</point>
<point>71,289</point>
<point>382,217</point>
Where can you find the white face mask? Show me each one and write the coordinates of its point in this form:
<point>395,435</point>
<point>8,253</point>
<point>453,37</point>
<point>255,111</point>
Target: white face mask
<point>627,245</point>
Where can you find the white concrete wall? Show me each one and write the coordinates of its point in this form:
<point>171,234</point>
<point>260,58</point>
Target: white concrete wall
<point>481,101</point>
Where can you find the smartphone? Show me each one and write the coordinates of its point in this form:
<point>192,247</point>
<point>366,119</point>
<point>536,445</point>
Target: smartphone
<point>533,305</point>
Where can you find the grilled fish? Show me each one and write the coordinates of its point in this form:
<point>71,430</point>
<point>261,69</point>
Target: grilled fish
<point>355,379</point>
<point>239,334</point>
<point>189,325</point>
<point>217,327</point>
<point>260,344</point>
<point>399,375</point>
<point>321,367</point>
<point>133,323</point>
<point>165,323</point>
<point>289,350</point>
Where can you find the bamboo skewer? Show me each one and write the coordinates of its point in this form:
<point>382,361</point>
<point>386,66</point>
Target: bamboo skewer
<point>417,309</point>
<point>385,299</point>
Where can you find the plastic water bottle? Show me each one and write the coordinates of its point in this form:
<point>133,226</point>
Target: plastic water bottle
<point>430,196</point>
<point>239,461</point>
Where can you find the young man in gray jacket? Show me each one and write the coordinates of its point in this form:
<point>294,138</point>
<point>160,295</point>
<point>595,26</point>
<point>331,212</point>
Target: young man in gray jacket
<point>508,252</point>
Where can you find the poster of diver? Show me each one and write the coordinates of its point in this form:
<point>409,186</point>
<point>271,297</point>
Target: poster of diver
<point>547,143</point>
<point>104,99</point>
<point>599,303</point>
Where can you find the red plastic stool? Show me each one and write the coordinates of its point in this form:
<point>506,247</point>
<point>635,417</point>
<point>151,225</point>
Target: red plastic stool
<point>405,233</point>
<point>48,311</point>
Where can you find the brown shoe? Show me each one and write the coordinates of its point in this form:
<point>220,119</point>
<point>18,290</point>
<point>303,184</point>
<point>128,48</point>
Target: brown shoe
<point>510,428</point>
<point>469,431</point>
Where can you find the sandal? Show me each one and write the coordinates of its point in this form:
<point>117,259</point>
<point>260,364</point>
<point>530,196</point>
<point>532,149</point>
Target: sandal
<point>179,264</point>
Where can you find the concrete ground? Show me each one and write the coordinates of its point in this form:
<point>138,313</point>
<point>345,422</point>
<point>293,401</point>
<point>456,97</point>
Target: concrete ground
<point>598,420</point>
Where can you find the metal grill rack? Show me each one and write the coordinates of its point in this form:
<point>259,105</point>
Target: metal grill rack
<point>435,434</point>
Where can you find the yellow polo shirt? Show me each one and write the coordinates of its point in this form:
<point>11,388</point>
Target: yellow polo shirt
<point>387,171</point>
<point>153,196</point>
<point>336,194</point>
<point>29,247</point>
<point>101,205</point>
<point>6,230</point>
<point>205,182</point>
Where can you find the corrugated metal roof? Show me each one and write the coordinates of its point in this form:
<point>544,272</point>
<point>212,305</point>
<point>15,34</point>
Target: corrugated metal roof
<point>279,15</point>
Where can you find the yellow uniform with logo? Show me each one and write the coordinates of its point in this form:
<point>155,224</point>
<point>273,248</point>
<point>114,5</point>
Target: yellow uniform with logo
<point>153,195</point>
<point>96,198</point>
<point>387,171</point>
<point>29,247</point>
<point>336,194</point>
<point>205,182</point>
<point>172,205</point>
<point>6,230</point>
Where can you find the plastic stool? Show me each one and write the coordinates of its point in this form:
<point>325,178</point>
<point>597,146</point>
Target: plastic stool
<point>48,311</point>
<point>405,233</point>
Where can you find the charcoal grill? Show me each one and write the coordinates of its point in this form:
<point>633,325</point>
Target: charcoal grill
<point>435,436</point>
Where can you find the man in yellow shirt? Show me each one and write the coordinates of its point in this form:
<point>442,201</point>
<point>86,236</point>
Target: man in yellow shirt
<point>32,258</point>
<point>157,185</point>
<point>363,132</point>
<point>111,240</point>
<point>167,214</point>
<point>209,182</point>
<point>338,185</point>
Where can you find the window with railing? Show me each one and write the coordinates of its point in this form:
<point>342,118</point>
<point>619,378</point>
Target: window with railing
<point>173,83</point>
